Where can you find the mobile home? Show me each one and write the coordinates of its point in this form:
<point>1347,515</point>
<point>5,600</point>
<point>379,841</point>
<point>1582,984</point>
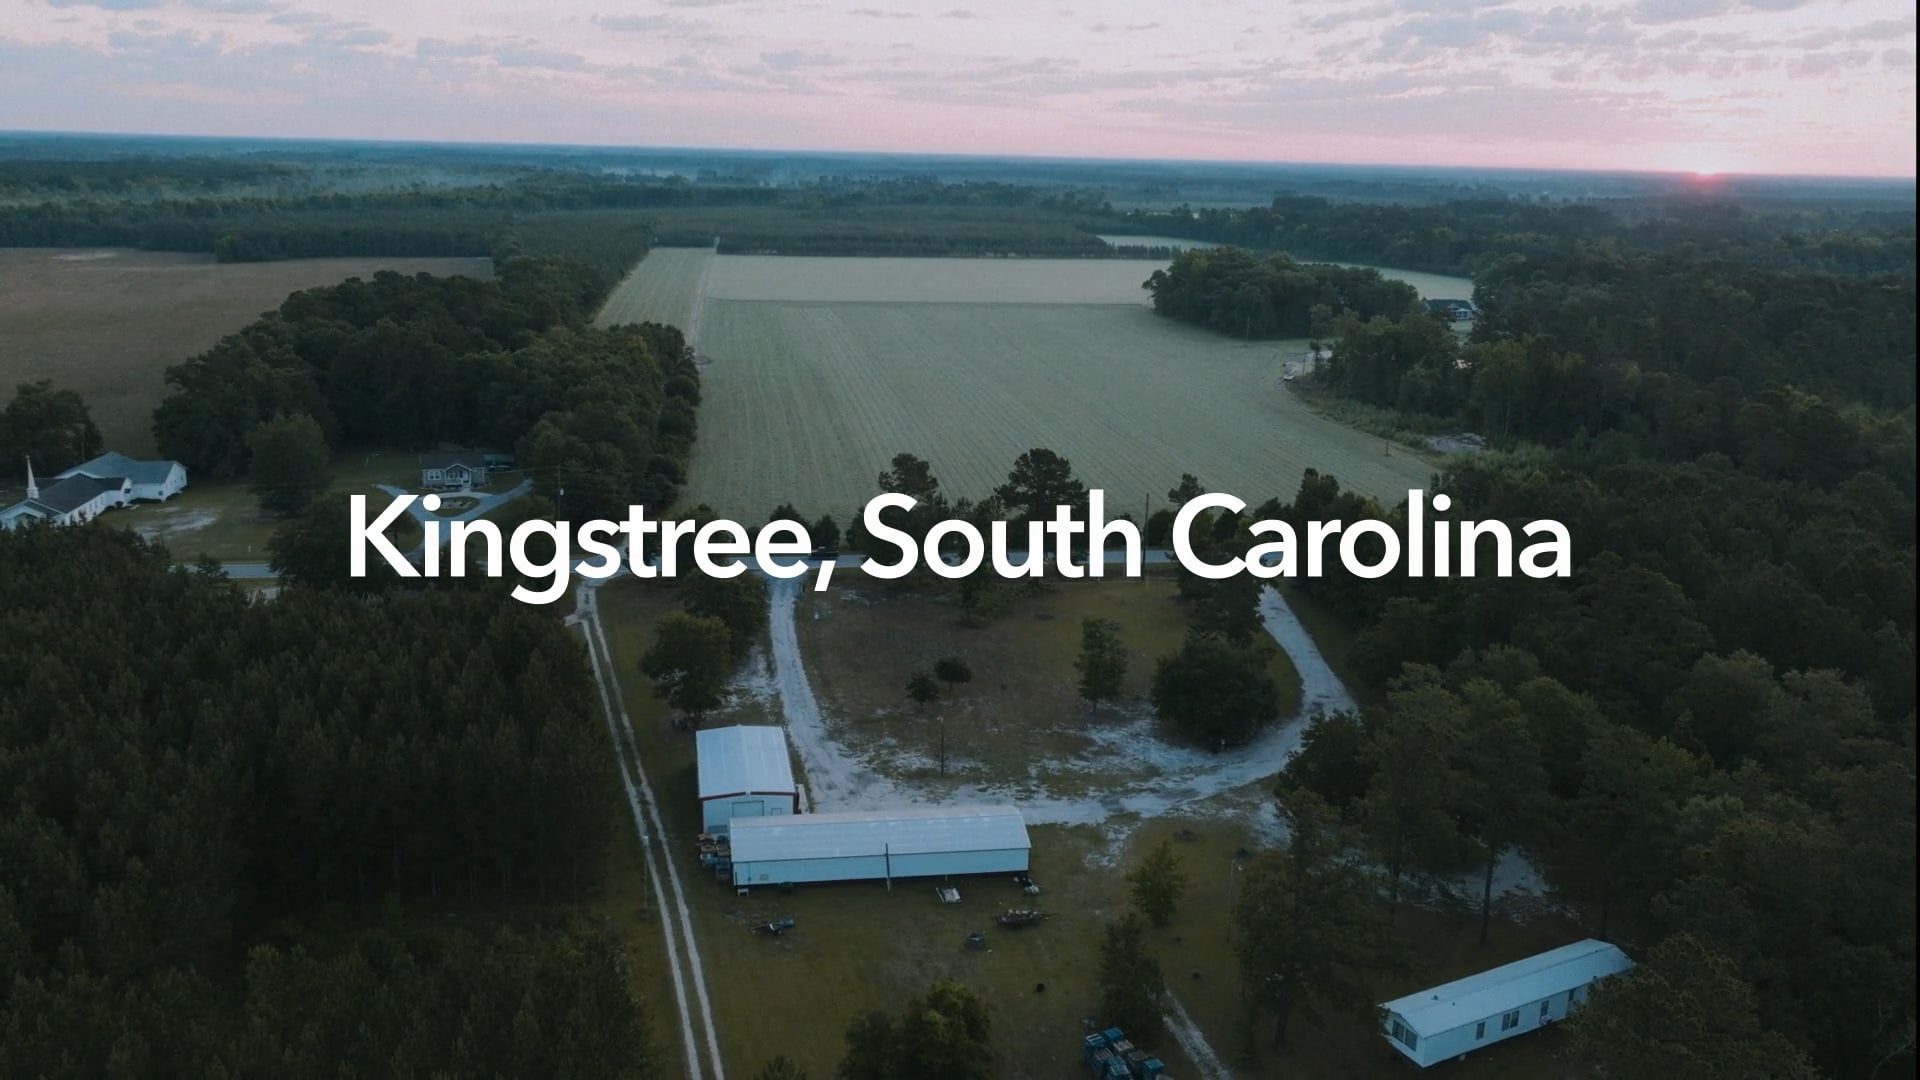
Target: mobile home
<point>1456,1018</point>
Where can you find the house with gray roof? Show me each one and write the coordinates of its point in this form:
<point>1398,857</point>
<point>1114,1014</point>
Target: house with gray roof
<point>152,481</point>
<point>461,470</point>
<point>91,488</point>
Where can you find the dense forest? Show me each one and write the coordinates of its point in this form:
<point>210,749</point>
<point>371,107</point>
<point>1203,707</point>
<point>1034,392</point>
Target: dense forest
<point>1231,291</point>
<point>606,414</point>
<point>1706,735</point>
<point>220,813</point>
<point>1465,236</point>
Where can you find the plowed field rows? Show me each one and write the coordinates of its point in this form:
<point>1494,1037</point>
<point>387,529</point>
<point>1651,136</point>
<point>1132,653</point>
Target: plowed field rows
<point>807,402</point>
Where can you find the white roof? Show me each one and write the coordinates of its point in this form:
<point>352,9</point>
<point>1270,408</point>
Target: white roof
<point>739,760</point>
<point>918,831</point>
<point>1505,988</point>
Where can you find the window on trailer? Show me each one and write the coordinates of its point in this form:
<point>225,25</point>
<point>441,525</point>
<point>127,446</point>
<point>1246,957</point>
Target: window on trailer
<point>1510,1021</point>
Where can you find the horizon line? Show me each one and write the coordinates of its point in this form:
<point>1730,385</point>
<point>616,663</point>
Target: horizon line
<point>1908,179</point>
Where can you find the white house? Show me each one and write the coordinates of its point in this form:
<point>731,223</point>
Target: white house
<point>744,772</point>
<point>928,841</point>
<point>1456,1018</point>
<point>91,488</point>
<point>69,501</point>
<point>152,481</point>
<point>454,472</point>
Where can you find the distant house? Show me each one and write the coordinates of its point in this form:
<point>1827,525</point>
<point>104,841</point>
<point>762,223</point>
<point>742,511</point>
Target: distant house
<point>152,481</point>
<point>91,488</point>
<point>459,471</point>
<point>1456,1018</point>
<point>1454,310</point>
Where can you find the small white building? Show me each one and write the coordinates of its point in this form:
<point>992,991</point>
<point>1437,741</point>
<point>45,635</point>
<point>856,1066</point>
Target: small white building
<point>461,471</point>
<point>149,481</point>
<point>930,841</point>
<point>1456,1018</point>
<point>745,772</point>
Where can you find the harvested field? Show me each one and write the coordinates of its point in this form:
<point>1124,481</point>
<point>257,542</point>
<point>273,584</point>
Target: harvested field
<point>109,323</point>
<point>808,402</point>
<point>785,279</point>
<point>665,289</point>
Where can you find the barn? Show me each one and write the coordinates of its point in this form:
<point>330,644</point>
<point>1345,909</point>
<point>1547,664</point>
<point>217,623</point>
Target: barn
<point>933,841</point>
<point>1453,1019</point>
<point>744,773</point>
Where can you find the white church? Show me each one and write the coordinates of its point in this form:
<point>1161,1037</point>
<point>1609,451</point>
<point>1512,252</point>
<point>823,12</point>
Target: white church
<point>91,488</point>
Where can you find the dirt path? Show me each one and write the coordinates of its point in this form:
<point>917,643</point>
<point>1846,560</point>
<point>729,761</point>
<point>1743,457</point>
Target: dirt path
<point>1193,1041</point>
<point>838,779</point>
<point>676,920</point>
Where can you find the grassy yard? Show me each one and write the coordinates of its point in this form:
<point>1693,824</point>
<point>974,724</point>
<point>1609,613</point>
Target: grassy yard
<point>860,945</point>
<point>864,641</point>
<point>223,520</point>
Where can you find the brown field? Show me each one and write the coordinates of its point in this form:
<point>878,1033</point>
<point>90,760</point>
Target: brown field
<point>109,323</point>
<point>666,290</point>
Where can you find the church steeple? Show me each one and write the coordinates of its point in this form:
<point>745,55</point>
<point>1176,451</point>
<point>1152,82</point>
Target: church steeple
<point>33,489</point>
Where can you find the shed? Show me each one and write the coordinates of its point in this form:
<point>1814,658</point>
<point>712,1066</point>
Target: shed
<point>932,841</point>
<point>1453,1019</point>
<point>744,773</point>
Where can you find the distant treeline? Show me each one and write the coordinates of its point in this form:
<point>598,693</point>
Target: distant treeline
<point>834,216</point>
<point>208,799</point>
<point>1685,355</point>
<point>1231,291</point>
<point>1466,236</point>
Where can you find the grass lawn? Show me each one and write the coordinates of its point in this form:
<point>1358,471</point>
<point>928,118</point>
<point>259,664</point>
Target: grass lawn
<point>222,520</point>
<point>859,946</point>
<point>863,640</point>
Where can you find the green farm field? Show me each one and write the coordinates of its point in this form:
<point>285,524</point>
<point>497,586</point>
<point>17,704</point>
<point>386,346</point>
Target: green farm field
<point>108,323</point>
<point>819,370</point>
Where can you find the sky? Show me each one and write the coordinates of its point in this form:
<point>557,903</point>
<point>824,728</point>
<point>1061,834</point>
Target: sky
<point>1821,87</point>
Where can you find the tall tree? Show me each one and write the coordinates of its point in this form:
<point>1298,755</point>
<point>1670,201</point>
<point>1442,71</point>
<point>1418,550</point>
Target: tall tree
<point>1683,1011</point>
<point>1215,692</point>
<point>1102,662</point>
<point>740,602</point>
<point>1040,481</point>
<point>289,463</point>
<point>1307,929</point>
<point>51,426</point>
<point>1407,815</point>
<point>313,547</point>
<point>943,1031</point>
<point>1505,798</point>
<point>1158,883</point>
<point>690,661</point>
<point>1131,982</point>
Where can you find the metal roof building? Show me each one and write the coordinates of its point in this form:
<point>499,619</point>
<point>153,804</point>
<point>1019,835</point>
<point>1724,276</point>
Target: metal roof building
<point>1452,1019</point>
<point>933,841</point>
<point>744,773</point>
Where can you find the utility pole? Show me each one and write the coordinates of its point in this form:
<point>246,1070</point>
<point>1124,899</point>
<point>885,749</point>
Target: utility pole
<point>1233,871</point>
<point>943,745</point>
